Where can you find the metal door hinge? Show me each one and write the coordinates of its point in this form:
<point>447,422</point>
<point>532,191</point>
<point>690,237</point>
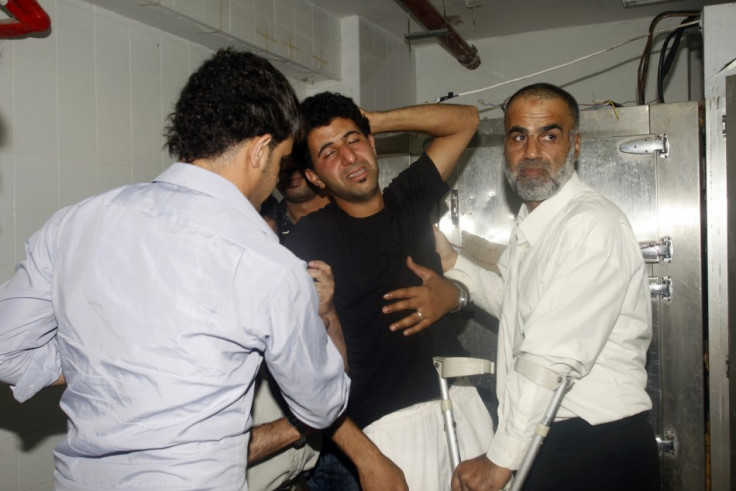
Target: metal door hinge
<point>454,206</point>
<point>660,287</point>
<point>668,445</point>
<point>659,145</point>
<point>654,252</point>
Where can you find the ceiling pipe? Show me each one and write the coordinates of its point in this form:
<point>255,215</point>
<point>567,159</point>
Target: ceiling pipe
<point>27,17</point>
<point>424,13</point>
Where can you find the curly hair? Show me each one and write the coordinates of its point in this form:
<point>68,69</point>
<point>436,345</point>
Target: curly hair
<point>232,97</point>
<point>320,109</point>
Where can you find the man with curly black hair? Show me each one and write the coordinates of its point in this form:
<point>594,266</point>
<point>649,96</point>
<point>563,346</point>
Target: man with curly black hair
<point>371,238</point>
<point>156,303</point>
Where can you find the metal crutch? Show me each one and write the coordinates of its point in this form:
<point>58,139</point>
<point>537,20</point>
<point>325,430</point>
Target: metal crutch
<point>452,367</point>
<point>541,433</point>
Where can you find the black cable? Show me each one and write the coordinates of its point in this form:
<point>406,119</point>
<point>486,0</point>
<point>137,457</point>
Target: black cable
<point>666,58</point>
<point>644,60</point>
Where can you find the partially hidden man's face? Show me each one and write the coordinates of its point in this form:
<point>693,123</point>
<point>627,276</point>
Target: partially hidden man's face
<point>540,148</point>
<point>292,184</point>
<point>344,161</point>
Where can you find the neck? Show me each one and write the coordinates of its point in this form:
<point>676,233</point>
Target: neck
<point>299,210</point>
<point>531,205</point>
<point>361,209</point>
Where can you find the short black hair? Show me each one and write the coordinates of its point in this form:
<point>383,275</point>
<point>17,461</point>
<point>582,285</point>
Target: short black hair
<point>548,91</point>
<point>320,109</point>
<point>232,97</point>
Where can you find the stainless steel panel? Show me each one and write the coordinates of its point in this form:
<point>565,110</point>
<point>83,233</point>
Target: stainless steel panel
<point>682,350</point>
<point>730,127</point>
<point>719,223</point>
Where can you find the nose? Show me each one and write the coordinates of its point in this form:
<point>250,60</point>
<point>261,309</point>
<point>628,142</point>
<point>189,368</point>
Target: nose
<point>531,150</point>
<point>347,155</point>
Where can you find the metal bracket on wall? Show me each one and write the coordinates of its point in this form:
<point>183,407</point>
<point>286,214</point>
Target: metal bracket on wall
<point>659,145</point>
<point>654,252</point>
<point>668,444</point>
<point>660,287</point>
<point>454,207</point>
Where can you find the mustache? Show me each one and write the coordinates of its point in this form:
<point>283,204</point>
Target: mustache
<point>532,163</point>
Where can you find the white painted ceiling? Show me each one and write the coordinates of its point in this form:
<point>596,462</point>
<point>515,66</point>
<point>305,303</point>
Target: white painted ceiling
<point>493,18</point>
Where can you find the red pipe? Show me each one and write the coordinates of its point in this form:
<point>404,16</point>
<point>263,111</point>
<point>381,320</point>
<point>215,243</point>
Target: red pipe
<point>428,17</point>
<point>27,17</point>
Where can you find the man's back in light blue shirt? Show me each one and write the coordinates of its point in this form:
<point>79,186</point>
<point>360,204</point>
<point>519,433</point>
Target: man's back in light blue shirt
<point>158,303</point>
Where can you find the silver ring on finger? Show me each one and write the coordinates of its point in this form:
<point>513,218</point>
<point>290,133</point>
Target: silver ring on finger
<point>419,314</point>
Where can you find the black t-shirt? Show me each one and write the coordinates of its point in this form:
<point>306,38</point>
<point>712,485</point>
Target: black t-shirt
<point>389,371</point>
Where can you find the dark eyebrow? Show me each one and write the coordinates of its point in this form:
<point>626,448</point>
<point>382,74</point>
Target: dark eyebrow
<point>518,129</point>
<point>347,134</point>
<point>550,127</point>
<point>543,129</point>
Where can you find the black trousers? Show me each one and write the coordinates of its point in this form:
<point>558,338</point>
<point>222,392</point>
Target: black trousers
<point>577,456</point>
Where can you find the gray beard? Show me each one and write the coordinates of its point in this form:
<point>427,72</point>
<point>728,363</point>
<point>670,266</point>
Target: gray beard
<point>542,188</point>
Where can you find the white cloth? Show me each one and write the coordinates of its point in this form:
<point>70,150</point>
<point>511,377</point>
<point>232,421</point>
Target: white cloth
<point>414,437</point>
<point>158,302</point>
<point>573,296</point>
<point>287,464</point>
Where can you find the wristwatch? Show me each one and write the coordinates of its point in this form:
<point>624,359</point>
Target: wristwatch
<point>463,296</point>
<point>300,427</point>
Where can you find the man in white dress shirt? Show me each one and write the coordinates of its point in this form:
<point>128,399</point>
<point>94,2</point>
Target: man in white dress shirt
<point>572,299</point>
<point>156,303</point>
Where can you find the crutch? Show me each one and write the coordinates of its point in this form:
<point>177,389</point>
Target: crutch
<point>452,367</point>
<point>541,433</point>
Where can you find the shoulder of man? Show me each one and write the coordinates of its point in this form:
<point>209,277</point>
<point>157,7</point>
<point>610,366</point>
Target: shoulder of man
<point>312,232</point>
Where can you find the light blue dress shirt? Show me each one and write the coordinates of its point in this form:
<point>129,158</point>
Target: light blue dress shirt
<point>158,302</point>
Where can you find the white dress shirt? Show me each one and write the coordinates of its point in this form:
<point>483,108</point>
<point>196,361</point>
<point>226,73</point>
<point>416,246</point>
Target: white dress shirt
<point>158,303</point>
<point>573,297</point>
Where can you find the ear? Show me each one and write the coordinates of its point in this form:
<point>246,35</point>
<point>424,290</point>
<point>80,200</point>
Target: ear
<point>372,141</point>
<point>260,151</point>
<point>577,146</point>
<point>314,178</point>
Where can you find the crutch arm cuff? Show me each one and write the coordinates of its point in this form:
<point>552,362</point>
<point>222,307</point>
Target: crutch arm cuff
<point>542,376</point>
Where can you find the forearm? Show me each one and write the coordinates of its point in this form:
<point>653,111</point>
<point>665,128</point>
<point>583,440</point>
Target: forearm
<point>486,287</point>
<point>268,438</point>
<point>433,119</point>
<point>334,331</point>
<point>375,470</point>
<point>452,127</point>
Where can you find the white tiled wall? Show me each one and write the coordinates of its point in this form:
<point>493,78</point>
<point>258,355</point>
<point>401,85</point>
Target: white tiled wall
<point>294,30</point>
<point>387,77</point>
<point>377,68</point>
<point>608,75</point>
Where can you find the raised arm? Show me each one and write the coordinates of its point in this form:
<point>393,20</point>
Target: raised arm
<point>452,127</point>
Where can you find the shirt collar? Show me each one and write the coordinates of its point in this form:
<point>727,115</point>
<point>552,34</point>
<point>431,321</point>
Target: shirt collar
<point>207,182</point>
<point>531,225</point>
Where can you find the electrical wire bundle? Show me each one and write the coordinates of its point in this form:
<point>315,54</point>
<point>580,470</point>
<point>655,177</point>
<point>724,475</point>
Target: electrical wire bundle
<point>666,58</point>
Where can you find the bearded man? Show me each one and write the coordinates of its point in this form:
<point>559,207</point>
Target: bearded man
<point>572,300</point>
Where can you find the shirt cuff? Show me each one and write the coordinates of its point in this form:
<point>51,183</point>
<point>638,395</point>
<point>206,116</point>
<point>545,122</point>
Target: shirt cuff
<point>506,451</point>
<point>42,369</point>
